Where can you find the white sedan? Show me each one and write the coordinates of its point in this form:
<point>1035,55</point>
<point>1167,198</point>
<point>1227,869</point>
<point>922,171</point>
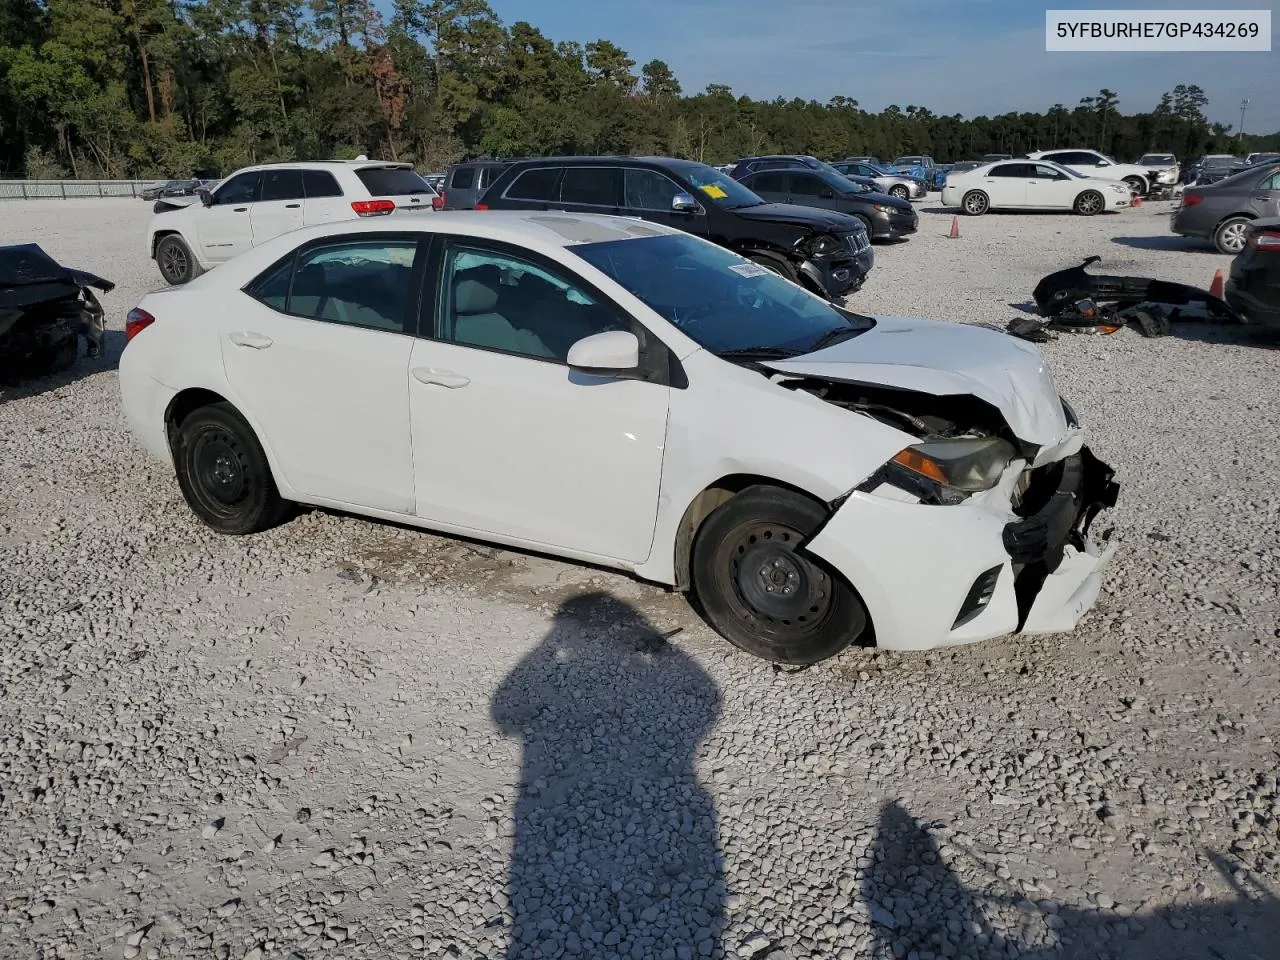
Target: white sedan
<point>624,393</point>
<point>1032,185</point>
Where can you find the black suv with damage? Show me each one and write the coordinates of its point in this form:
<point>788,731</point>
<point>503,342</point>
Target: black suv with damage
<point>825,251</point>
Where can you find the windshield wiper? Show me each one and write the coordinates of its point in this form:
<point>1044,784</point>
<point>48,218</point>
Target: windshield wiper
<point>833,336</point>
<point>757,353</point>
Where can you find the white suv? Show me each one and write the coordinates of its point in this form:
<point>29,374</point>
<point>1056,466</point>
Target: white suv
<point>255,204</point>
<point>1091,163</point>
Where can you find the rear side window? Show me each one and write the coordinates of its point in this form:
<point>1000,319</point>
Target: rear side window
<point>320,183</point>
<point>769,183</point>
<point>391,181</point>
<point>281,185</point>
<point>488,175</point>
<point>594,186</point>
<point>537,184</point>
<point>1271,183</point>
<point>463,177</point>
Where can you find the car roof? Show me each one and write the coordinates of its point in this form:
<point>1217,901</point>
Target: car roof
<point>326,165</point>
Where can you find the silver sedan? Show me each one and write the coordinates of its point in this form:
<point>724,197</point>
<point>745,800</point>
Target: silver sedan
<point>894,184</point>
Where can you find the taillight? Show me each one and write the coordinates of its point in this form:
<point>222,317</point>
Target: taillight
<point>437,202</point>
<point>137,321</point>
<point>1191,199</point>
<point>482,206</point>
<point>372,208</point>
<point>1265,239</point>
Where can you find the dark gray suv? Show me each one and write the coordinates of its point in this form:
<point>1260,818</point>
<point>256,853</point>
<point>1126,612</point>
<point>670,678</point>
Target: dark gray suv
<point>466,182</point>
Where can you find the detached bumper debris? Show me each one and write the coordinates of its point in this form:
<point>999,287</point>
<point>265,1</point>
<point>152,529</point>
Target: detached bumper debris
<point>45,308</point>
<point>1076,301</point>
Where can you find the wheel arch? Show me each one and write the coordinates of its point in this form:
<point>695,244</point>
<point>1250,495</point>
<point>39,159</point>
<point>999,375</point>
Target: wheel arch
<point>160,235</point>
<point>705,502</point>
<point>186,401</point>
<point>1238,215</point>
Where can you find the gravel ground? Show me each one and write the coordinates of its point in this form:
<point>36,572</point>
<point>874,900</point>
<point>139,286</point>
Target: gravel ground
<point>349,739</point>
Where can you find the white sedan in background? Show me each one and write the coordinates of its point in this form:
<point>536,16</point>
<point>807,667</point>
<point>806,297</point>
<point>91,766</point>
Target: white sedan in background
<point>1032,185</point>
<point>624,393</point>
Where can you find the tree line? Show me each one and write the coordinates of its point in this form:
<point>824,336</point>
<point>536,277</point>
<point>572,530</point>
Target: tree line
<point>172,88</point>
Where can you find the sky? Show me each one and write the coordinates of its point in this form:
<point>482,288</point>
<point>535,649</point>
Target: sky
<point>953,56</point>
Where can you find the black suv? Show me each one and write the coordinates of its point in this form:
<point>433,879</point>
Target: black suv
<point>828,252</point>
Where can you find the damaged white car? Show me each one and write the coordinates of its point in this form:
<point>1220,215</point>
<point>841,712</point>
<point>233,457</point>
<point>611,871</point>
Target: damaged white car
<point>626,394</point>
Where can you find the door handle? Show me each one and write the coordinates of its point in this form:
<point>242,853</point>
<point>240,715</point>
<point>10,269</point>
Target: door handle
<point>440,378</point>
<point>239,209</point>
<point>1264,199</point>
<point>292,206</point>
<point>255,341</point>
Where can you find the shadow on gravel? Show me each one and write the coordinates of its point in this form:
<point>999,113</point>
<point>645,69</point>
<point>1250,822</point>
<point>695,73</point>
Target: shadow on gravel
<point>1172,243</point>
<point>85,366</point>
<point>616,850</point>
<point>919,907</point>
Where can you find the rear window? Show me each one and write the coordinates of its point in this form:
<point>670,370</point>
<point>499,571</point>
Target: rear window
<point>391,181</point>
<point>536,184</point>
<point>463,177</point>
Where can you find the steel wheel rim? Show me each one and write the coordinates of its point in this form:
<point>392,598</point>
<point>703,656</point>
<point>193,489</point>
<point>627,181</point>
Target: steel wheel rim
<point>776,587</point>
<point>219,469</point>
<point>1233,237</point>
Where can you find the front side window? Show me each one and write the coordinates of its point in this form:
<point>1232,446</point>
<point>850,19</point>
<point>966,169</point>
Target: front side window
<point>807,185</point>
<point>720,300</point>
<point>1044,172</point>
<point>242,188</point>
<point>500,301</point>
<point>365,282</point>
<point>648,190</point>
<point>281,185</point>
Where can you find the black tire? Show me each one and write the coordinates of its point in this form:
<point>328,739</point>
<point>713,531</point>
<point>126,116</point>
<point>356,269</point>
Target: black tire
<point>866,222</point>
<point>223,473</point>
<point>64,355</point>
<point>975,203</point>
<point>761,592</point>
<point>175,260</point>
<point>780,267</point>
<point>1137,186</point>
<point>1088,203</point>
<point>899,191</point>
<point>1228,237</point>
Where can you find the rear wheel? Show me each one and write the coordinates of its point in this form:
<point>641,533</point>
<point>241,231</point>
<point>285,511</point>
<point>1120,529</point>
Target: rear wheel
<point>761,591</point>
<point>223,472</point>
<point>1229,237</point>
<point>975,203</point>
<point>175,260</point>
<point>1088,203</point>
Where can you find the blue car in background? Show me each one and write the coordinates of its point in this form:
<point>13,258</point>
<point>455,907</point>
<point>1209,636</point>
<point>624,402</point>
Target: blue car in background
<point>919,165</point>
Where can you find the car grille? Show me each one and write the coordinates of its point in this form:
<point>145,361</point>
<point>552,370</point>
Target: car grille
<point>857,242</point>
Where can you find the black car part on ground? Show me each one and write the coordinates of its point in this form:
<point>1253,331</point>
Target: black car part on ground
<point>44,310</point>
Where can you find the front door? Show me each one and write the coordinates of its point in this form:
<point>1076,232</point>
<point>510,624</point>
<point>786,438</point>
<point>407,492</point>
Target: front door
<point>224,227</point>
<point>811,191</point>
<point>319,354</point>
<point>508,440</point>
<point>649,195</point>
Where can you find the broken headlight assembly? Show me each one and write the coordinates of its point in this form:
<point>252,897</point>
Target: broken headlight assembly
<point>824,245</point>
<point>943,472</point>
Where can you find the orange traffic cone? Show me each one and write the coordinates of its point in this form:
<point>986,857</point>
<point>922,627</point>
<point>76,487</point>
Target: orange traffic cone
<point>1215,289</point>
<point>1137,202</point>
<point>955,229</point>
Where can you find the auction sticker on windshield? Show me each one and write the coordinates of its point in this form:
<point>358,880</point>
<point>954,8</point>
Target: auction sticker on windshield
<point>749,269</point>
<point>713,191</point>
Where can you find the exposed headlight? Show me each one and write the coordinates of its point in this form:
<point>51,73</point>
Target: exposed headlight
<point>1121,188</point>
<point>945,471</point>
<point>824,245</point>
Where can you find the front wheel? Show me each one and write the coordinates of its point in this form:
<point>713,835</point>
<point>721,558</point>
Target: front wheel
<point>1137,186</point>
<point>175,260</point>
<point>1089,203</point>
<point>761,591</point>
<point>223,472</point>
<point>780,267</point>
<point>899,191</point>
<point>975,203</point>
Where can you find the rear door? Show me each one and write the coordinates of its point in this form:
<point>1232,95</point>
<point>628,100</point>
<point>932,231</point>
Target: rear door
<point>460,188</point>
<point>279,206</point>
<point>398,183</point>
<point>537,188</point>
<point>1265,198</point>
<point>1006,184</point>
<point>770,186</point>
<point>224,228</point>
<point>591,190</point>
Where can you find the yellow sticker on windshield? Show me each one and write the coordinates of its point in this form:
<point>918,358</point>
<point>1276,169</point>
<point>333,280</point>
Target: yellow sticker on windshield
<point>713,191</point>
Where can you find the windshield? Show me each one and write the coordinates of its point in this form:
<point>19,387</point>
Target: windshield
<point>724,302</point>
<point>1152,158</point>
<point>723,190</point>
<point>908,162</point>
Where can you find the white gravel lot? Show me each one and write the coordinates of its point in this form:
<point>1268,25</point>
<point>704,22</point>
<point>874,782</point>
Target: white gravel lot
<point>344,738</point>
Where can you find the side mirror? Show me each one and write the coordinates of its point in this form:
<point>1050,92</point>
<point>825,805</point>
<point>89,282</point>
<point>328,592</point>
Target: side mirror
<point>684,203</point>
<point>206,198</point>
<point>1104,163</point>
<point>611,352</point>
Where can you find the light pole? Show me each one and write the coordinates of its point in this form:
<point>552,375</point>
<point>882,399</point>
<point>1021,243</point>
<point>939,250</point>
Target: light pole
<point>1244,105</point>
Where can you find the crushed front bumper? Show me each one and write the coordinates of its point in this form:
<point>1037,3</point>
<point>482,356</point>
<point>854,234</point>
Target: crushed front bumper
<point>934,576</point>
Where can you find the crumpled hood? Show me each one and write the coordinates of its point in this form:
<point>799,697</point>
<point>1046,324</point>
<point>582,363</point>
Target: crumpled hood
<point>943,359</point>
<point>815,218</point>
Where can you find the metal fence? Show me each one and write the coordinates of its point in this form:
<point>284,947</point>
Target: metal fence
<point>69,189</point>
